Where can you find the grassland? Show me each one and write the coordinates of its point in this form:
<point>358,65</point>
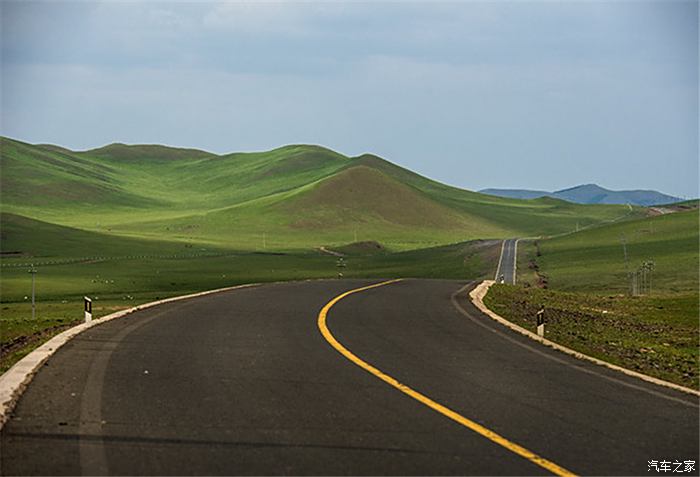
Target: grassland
<point>581,280</point>
<point>120,282</point>
<point>656,335</point>
<point>294,197</point>
<point>594,260</point>
<point>129,224</point>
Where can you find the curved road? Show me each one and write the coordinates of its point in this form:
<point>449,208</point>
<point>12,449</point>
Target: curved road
<point>243,382</point>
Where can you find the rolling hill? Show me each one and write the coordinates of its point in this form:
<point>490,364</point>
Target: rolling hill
<point>590,194</point>
<point>292,197</point>
<point>129,224</point>
<point>597,302</point>
<point>594,259</point>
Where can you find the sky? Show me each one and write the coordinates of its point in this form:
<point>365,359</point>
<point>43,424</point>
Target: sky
<point>539,95</point>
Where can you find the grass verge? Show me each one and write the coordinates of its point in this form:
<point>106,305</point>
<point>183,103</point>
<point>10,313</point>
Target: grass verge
<point>656,335</point>
<point>117,284</point>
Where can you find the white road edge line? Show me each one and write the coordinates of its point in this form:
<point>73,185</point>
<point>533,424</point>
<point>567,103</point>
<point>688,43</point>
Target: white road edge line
<point>500,259</point>
<point>477,297</point>
<point>15,380</point>
<point>515,261</point>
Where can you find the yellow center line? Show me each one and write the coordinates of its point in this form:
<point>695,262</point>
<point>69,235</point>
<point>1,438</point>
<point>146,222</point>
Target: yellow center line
<point>445,411</point>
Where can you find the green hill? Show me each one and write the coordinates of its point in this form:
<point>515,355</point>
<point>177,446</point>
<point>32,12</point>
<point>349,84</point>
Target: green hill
<point>23,238</point>
<point>129,224</point>
<point>121,153</point>
<point>292,197</point>
<point>35,179</point>
<point>361,194</point>
<point>594,260</point>
<point>582,281</point>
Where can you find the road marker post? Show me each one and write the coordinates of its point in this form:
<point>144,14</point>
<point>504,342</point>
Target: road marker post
<point>88,310</point>
<point>540,322</point>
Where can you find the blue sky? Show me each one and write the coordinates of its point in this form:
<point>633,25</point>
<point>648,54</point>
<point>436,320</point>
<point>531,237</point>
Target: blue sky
<point>541,95</point>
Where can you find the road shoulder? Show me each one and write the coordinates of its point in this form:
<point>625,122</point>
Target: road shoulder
<point>477,298</point>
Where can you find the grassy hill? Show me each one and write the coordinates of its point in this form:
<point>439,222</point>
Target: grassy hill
<point>582,281</point>
<point>594,260</point>
<point>122,153</point>
<point>24,238</point>
<point>128,224</point>
<point>299,196</point>
<point>38,178</point>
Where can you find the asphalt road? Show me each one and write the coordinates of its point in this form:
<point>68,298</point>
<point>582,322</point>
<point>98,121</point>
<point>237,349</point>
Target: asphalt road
<point>507,262</point>
<point>243,382</point>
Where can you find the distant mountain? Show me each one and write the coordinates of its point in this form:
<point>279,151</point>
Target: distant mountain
<point>590,194</point>
<point>594,194</point>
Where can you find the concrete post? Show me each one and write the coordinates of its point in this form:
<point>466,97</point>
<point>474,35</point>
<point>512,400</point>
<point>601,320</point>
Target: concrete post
<point>88,310</point>
<point>540,322</point>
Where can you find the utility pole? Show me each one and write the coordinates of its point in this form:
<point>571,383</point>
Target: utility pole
<point>648,268</point>
<point>33,272</point>
<point>623,239</point>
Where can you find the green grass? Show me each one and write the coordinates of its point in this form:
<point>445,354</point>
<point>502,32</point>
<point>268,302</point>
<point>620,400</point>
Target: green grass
<point>131,224</point>
<point>25,239</point>
<point>298,196</point>
<point>369,247</point>
<point>120,283</point>
<point>594,260</point>
<point>656,335</point>
<point>587,302</point>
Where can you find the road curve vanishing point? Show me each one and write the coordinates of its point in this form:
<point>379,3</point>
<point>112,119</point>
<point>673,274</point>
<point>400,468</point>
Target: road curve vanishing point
<point>508,262</point>
<point>242,382</point>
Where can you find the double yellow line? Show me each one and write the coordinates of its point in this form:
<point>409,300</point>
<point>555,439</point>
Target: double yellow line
<point>445,411</point>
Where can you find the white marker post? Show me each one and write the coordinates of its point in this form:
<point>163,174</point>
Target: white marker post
<point>540,322</point>
<point>88,310</point>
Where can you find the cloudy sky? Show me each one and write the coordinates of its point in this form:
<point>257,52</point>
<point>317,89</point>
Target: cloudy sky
<point>541,95</point>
